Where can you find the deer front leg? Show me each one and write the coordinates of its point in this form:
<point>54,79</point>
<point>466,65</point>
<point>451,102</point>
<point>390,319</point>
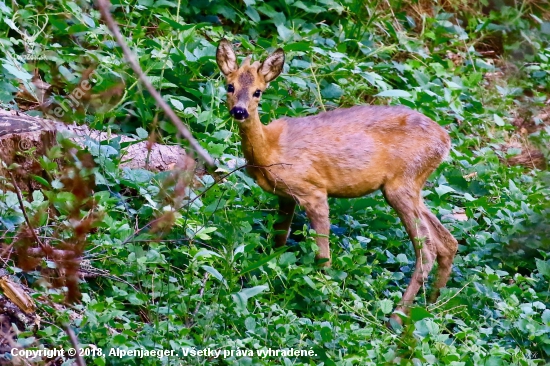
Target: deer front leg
<point>284,219</point>
<point>317,211</point>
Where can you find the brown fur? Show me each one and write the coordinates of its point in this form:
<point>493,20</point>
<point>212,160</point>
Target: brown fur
<point>345,153</point>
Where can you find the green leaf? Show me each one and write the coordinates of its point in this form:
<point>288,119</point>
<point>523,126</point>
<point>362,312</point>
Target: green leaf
<point>309,8</point>
<point>287,259</point>
<point>241,298</point>
<point>386,306</point>
<point>402,258</point>
<point>285,33</point>
<point>177,104</point>
<point>394,93</point>
<point>253,14</point>
<point>142,133</point>
<point>253,291</point>
<point>203,233</point>
<point>135,300</point>
<point>543,267</point>
<point>494,361</point>
<point>426,327</point>
<point>263,260</point>
<point>310,282</point>
<point>214,272</point>
<point>205,253</point>
<point>297,46</point>
<point>332,91</point>
<point>176,25</point>
<point>442,190</point>
<point>41,180</point>
<point>89,21</point>
<point>37,197</point>
<point>419,313</point>
<point>5,9</point>
<point>250,324</point>
<point>498,120</point>
<point>18,73</point>
<point>67,74</point>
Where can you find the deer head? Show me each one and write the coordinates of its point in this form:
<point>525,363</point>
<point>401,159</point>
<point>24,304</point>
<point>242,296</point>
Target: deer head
<point>246,84</point>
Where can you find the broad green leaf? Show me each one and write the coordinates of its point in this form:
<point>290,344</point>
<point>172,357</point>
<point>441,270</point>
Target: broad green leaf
<point>253,291</point>
<point>498,120</point>
<point>394,93</point>
<point>177,104</point>
<point>419,313</point>
<point>205,253</point>
<point>19,73</point>
<point>214,272</point>
<point>250,324</point>
<point>297,46</point>
<point>287,259</point>
<point>543,267</point>
<point>386,306</point>
<point>203,233</point>
<point>285,33</point>
<point>442,190</point>
<point>142,133</point>
<point>494,361</point>
<point>332,91</point>
<point>253,14</point>
<point>402,258</point>
<point>241,298</point>
<point>426,327</point>
<point>310,282</point>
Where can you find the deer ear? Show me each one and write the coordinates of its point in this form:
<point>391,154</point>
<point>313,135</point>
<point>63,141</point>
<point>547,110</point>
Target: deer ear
<point>225,57</point>
<point>273,65</point>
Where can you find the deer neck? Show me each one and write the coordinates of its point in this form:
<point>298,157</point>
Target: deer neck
<point>254,141</point>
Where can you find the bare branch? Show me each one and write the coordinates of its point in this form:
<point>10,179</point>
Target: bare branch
<point>45,248</point>
<point>189,321</point>
<point>74,342</point>
<point>104,8</point>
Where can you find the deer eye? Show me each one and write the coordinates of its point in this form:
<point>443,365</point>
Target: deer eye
<point>230,88</point>
<point>257,93</point>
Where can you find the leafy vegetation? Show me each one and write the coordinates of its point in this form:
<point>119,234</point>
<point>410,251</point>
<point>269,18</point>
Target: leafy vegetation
<point>182,267</point>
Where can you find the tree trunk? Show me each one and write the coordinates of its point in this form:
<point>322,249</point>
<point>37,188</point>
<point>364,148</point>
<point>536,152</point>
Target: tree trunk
<point>22,140</point>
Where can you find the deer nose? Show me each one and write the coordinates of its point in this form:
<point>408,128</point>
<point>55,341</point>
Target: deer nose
<point>239,113</point>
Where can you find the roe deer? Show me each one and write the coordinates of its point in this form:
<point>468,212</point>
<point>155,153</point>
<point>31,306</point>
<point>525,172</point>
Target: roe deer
<point>342,153</point>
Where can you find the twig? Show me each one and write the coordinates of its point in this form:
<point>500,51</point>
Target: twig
<point>201,293</point>
<point>104,8</point>
<point>220,179</point>
<point>138,231</point>
<point>318,87</point>
<point>45,248</point>
<point>529,152</point>
<point>435,306</point>
<point>72,338</point>
<point>399,27</point>
<point>8,252</point>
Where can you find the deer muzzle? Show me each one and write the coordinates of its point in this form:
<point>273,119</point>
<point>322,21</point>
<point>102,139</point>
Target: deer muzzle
<point>239,113</point>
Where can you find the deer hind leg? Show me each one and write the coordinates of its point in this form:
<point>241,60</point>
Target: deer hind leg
<point>316,207</point>
<point>412,211</point>
<point>446,246</point>
<point>286,213</point>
